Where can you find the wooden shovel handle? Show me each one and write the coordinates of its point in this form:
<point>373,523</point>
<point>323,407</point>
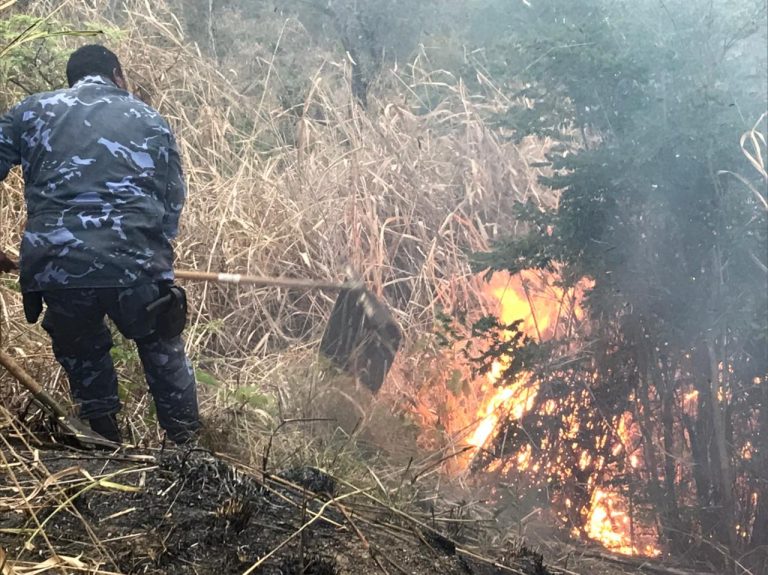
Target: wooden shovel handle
<point>84,436</point>
<point>29,382</point>
<point>293,283</point>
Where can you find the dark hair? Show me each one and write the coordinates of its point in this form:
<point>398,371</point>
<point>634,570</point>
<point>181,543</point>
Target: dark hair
<point>92,60</point>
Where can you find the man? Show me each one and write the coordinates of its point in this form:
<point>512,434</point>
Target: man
<point>104,190</point>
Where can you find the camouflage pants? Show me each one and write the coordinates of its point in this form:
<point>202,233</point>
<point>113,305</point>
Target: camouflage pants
<point>74,319</point>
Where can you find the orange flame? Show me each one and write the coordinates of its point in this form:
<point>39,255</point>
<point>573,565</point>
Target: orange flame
<point>542,306</point>
<point>609,523</point>
<point>546,311</point>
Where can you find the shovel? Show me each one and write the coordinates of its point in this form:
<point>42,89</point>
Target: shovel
<point>72,427</point>
<point>361,336</point>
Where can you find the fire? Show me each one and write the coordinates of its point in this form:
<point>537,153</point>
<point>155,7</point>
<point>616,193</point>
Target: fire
<point>690,402</point>
<point>513,400</point>
<point>609,523</point>
<point>540,304</point>
<point>548,311</point>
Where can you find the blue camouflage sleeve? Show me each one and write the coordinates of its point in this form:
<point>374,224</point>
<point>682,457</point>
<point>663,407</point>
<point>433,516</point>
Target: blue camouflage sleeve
<point>175,191</point>
<point>10,153</point>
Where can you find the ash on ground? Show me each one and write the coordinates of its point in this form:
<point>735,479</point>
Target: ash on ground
<point>187,512</point>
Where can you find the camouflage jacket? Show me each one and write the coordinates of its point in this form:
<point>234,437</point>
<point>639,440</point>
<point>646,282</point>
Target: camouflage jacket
<point>103,187</point>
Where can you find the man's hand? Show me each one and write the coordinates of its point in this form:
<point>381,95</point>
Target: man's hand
<point>7,264</point>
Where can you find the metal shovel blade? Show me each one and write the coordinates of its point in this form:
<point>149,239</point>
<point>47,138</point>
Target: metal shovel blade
<point>71,427</point>
<point>361,337</point>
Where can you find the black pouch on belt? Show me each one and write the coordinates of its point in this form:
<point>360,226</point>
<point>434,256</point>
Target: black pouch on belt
<point>33,305</point>
<point>170,311</point>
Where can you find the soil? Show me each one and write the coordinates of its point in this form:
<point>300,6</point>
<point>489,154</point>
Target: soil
<point>186,512</point>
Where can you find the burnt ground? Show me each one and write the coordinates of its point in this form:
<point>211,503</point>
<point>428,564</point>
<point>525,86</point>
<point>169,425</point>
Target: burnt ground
<point>189,513</point>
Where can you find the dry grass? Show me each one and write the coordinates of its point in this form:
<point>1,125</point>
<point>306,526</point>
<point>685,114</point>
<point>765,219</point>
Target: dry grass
<point>31,489</point>
<point>400,192</point>
<point>43,491</point>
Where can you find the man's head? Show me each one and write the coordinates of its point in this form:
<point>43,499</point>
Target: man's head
<point>94,60</point>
